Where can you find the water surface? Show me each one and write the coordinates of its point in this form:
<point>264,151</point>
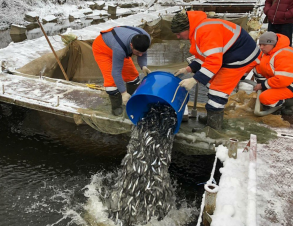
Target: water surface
<point>44,178</point>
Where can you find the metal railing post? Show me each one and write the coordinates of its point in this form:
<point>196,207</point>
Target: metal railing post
<point>211,191</point>
<point>194,110</point>
<point>232,149</point>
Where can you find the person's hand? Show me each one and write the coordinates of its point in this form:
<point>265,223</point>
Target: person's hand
<point>184,71</point>
<point>188,83</point>
<point>257,87</point>
<point>145,70</point>
<point>125,97</point>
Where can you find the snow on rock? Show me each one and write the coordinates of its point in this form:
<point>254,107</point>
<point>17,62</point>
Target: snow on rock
<point>49,18</point>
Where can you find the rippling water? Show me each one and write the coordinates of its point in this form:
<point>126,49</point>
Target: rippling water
<point>47,179</point>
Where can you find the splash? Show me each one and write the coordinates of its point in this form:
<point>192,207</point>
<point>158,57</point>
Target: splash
<point>144,189</point>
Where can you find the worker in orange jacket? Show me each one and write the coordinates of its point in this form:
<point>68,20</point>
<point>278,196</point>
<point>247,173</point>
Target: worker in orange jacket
<point>112,50</point>
<point>274,73</point>
<point>223,53</point>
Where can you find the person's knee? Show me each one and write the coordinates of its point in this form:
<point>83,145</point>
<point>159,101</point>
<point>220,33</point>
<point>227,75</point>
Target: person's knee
<point>266,100</point>
<point>263,99</point>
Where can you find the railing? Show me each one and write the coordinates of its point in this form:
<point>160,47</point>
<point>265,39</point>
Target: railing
<point>211,189</point>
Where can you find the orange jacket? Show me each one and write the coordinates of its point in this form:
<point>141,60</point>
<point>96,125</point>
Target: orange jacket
<point>218,43</point>
<point>277,65</point>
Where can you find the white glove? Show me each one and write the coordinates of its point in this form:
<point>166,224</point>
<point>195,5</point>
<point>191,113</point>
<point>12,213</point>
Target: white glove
<point>188,83</point>
<point>184,71</point>
<point>125,97</point>
<point>145,70</point>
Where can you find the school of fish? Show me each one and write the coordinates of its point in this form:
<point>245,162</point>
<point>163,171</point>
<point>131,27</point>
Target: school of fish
<point>143,189</point>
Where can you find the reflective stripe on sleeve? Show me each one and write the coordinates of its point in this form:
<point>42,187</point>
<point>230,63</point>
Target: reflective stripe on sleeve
<point>284,73</point>
<point>207,72</point>
<point>213,51</point>
<point>267,84</point>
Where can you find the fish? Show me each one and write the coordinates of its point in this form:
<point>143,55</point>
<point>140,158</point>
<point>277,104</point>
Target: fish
<point>145,185</point>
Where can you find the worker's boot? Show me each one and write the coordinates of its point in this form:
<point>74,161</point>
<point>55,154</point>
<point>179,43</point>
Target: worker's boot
<point>203,119</point>
<point>116,103</point>
<point>215,119</point>
<point>132,86</point>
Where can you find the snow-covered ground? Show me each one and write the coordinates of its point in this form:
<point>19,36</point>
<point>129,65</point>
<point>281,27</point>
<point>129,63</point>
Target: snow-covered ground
<point>255,193</point>
<point>267,195</point>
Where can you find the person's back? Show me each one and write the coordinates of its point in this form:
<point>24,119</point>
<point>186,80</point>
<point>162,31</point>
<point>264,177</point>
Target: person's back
<point>223,52</point>
<point>112,50</point>
<point>280,16</point>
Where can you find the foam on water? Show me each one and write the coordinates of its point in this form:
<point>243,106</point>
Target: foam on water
<point>97,213</point>
<point>141,193</point>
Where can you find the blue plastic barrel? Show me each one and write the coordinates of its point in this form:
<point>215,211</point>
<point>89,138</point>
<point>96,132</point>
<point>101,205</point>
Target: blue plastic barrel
<point>157,87</point>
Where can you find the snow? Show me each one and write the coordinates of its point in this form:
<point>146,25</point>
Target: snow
<point>77,15</point>
<point>250,192</point>
<point>32,14</point>
<point>49,18</point>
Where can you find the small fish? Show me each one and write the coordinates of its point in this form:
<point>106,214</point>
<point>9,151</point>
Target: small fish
<point>137,194</point>
<point>130,199</point>
<point>164,162</point>
<point>147,187</point>
<point>130,185</point>
<point>158,178</point>
<point>154,162</point>
<point>148,140</point>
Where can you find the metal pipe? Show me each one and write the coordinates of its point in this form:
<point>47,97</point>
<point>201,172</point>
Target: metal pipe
<point>194,110</point>
<point>257,110</point>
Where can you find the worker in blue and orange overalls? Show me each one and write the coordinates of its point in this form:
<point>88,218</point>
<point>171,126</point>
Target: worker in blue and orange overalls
<point>223,52</point>
<point>112,50</point>
<point>274,73</point>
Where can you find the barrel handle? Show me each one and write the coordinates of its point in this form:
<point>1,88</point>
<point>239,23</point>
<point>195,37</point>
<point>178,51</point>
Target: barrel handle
<point>175,96</point>
<point>183,102</point>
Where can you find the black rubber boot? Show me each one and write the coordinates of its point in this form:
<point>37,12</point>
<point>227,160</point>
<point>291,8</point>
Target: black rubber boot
<point>215,119</point>
<point>203,119</point>
<point>288,102</point>
<point>116,102</point>
<point>131,87</point>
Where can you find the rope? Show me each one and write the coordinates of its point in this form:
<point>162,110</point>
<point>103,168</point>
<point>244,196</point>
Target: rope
<point>183,102</point>
<point>175,94</point>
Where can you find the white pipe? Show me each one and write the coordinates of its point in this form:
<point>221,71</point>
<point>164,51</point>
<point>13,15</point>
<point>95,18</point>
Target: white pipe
<point>251,186</point>
<point>257,110</point>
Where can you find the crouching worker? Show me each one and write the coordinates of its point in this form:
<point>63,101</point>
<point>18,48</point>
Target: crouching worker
<point>223,52</point>
<point>112,50</point>
<point>274,73</point>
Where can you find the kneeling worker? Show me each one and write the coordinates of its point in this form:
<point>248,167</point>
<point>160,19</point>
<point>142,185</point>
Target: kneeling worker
<point>274,73</point>
<point>223,52</point>
<point>112,50</point>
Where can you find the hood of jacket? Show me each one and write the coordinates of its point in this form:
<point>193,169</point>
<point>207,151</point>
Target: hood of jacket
<point>195,18</point>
